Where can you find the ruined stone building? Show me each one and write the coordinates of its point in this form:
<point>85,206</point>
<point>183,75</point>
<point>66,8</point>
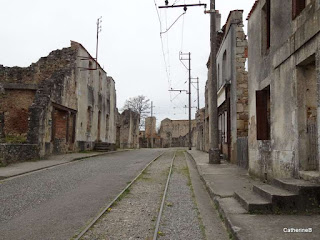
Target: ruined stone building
<point>202,131</point>
<point>284,79</point>
<point>232,80</point>
<point>175,133</point>
<point>128,129</point>
<point>64,102</point>
<point>150,138</point>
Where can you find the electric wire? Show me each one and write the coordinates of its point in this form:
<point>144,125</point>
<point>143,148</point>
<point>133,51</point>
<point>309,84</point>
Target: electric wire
<point>168,50</point>
<point>162,47</point>
<point>173,23</point>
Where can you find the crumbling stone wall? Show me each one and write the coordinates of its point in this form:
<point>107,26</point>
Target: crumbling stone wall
<point>129,129</point>
<point>13,153</point>
<point>200,129</point>
<point>174,133</point>
<point>150,127</point>
<point>52,98</point>
<point>19,86</point>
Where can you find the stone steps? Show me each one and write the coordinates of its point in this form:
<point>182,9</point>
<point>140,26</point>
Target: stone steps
<point>309,193</point>
<point>298,186</point>
<point>252,201</point>
<point>102,147</point>
<point>286,195</point>
<point>312,176</point>
<point>282,200</point>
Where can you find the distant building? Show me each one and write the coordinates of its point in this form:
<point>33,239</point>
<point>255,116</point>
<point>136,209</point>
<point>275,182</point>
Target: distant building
<point>129,123</point>
<point>64,102</point>
<point>175,133</point>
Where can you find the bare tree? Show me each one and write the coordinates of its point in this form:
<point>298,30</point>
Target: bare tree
<point>139,104</point>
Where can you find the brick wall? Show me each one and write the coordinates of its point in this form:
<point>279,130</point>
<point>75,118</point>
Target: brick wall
<point>60,124</point>
<point>14,106</point>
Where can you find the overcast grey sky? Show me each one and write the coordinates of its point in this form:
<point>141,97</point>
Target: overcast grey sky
<point>130,46</point>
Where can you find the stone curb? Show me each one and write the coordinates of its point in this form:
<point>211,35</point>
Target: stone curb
<point>59,164</point>
<point>215,198</point>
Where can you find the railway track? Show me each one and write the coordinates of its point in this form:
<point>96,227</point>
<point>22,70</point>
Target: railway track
<point>156,231</point>
<point>79,236</point>
<point>161,220</point>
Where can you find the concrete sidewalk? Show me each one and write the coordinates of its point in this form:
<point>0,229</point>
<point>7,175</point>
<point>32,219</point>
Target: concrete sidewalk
<point>223,180</point>
<point>17,169</point>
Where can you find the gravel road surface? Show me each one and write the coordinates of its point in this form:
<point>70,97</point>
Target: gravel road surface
<point>57,202</point>
<point>180,218</point>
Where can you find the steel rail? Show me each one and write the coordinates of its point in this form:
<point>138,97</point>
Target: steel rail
<point>155,235</point>
<point>80,235</point>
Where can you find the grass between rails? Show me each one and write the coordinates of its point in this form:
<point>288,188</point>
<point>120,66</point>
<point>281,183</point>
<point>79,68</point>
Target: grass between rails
<point>186,172</point>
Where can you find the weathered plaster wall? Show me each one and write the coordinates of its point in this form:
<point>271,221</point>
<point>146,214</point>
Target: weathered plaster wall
<point>292,43</point>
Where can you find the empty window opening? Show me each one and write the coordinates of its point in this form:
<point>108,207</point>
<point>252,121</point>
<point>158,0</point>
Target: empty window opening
<point>263,114</point>
<point>224,67</point>
<point>297,7</point>
<point>89,120</point>
<point>99,126</point>
<point>100,81</point>
<point>219,78</point>
<point>107,126</point>
<point>266,27</point>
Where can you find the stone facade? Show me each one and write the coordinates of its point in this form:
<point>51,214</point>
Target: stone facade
<point>284,80</point>
<point>232,92</point>
<point>14,152</point>
<point>64,102</point>
<point>175,133</point>
<point>129,129</point>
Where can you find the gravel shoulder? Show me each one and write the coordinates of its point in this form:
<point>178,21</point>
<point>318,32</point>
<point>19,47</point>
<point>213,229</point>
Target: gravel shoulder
<point>180,218</point>
<point>134,214</point>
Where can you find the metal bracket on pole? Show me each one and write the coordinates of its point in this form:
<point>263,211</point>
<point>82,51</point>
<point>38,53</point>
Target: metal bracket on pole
<point>211,11</point>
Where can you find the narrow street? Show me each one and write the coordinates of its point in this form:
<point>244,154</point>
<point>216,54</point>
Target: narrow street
<point>57,202</point>
<point>149,210</point>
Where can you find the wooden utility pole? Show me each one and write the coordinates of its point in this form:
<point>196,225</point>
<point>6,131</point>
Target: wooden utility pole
<point>214,152</point>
